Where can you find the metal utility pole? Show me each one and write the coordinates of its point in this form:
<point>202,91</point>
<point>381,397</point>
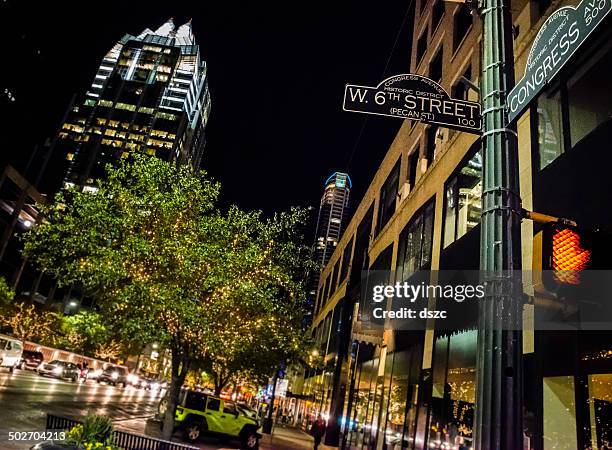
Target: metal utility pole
<point>499,411</point>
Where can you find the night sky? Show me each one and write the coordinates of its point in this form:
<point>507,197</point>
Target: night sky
<point>276,74</point>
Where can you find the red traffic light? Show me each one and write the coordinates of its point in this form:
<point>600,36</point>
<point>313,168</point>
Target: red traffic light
<point>570,253</point>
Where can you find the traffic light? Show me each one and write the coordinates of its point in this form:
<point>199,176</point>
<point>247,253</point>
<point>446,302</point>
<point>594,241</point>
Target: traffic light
<point>572,283</point>
<point>567,252</point>
<point>570,252</point>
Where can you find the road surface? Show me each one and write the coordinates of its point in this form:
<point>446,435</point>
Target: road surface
<point>26,398</point>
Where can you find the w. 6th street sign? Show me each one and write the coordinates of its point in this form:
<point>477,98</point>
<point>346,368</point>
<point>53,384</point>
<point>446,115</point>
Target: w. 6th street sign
<point>414,97</point>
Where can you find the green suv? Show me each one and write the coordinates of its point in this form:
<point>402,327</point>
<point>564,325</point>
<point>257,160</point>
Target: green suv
<point>198,413</point>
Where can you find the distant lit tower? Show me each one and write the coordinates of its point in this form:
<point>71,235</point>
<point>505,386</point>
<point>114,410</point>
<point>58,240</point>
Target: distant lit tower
<point>150,95</point>
<point>333,214</point>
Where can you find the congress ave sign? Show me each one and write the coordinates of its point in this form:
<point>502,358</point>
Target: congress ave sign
<point>414,97</point>
<point>558,39</point>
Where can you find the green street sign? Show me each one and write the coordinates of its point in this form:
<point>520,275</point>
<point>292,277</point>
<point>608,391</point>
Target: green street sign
<point>559,38</point>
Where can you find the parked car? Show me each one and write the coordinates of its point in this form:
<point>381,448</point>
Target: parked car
<point>59,369</point>
<point>114,375</point>
<point>93,374</point>
<point>11,350</point>
<point>198,413</point>
<point>152,384</point>
<point>30,360</point>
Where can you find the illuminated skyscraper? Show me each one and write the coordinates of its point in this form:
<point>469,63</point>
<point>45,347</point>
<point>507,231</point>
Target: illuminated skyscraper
<point>333,213</point>
<point>149,95</point>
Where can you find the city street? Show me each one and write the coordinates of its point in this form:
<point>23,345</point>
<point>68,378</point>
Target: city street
<point>26,398</point>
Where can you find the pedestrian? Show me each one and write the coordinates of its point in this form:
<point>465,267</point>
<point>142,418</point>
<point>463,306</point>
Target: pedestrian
<point>290,417</point>
<point>83,372</point>
<point>318,431</point>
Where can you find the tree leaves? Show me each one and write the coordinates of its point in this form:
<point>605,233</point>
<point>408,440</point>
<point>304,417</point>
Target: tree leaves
<point>165,264</point>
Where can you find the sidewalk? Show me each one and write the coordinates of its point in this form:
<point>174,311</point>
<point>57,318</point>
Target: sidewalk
<point>282,438</point>
<point>289,438</point>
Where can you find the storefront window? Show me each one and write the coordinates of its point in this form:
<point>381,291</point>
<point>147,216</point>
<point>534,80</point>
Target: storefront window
<point>454,391</point>
<point>600,405</point>
<point>365,386</point>
<point>397,408</point>
<point>463,199</point>
<point>559,413</point>
<point>376,394</point>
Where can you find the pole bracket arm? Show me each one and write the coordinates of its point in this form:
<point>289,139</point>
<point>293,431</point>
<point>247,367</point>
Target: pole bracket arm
<point>545,218</point>
<point>498,130</point>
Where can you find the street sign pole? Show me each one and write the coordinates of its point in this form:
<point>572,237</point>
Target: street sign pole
<point>498,424</point>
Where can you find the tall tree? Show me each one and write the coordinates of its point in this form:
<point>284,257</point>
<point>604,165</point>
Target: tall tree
<point>166,265</point>
<point>28,323</point>
<point>85,332</point>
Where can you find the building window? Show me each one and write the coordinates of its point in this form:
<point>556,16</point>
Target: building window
<point>462,24</point>
<point>435,66</point>
<point>432,133</point>
<point>436,14</point>
<point>335,328</point>
<point>413,164</point>
<point>463,198</point>
<point>543,5</point>
<point>590,98</point>
<point>334,277</point>
<point>322,298</point>
<point>388,197</point>
<point>318,300</point>
<point>460,89</point>
<point>550,128</point>
<point>414,251</point>
<point>330,290</point>
<point>346,260</point>
<point>574,108</point>
<point>421,46</point>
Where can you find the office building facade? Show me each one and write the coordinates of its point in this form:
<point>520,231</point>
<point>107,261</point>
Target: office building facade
<point>150,95</point>
<point>399,389</point>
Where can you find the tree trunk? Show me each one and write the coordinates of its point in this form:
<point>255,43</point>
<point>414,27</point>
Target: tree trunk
<point>180,366</point>
<point>220,382</point>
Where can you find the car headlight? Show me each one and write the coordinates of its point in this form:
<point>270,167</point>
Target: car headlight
<point>114,375</point>
<point>133,378</point>
<point>58,370</point>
